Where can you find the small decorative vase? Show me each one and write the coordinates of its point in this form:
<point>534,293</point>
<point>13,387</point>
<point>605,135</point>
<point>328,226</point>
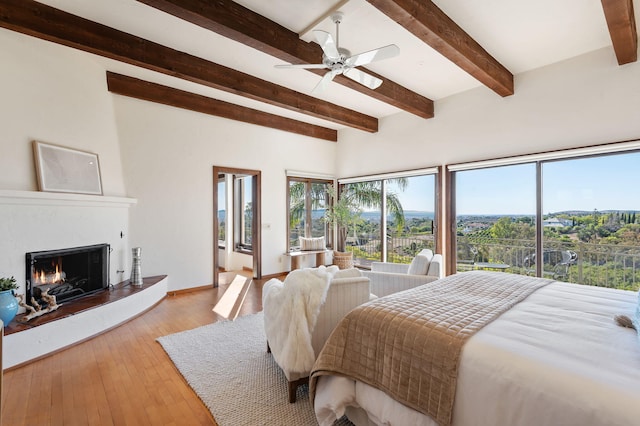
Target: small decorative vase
<point>8,306</point>
<point>136,272</point>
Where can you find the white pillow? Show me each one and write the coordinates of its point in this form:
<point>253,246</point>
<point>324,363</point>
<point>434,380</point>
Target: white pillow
<point>419,265</point>
<point>434,267</point>
<point>312,243</point>
<point>426,252</point>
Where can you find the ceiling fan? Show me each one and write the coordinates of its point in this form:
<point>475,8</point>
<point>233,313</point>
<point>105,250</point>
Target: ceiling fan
<point>340,61</point>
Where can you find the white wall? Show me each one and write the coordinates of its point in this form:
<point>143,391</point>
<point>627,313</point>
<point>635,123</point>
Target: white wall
<point>583,101</point>
<point>57,95</point>
<point>168,156</point>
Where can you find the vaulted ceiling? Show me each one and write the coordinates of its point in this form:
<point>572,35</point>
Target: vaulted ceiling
<point>218,57</point>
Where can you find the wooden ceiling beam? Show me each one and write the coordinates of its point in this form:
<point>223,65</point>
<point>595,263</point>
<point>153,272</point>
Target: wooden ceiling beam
<point>238,23</point>
<point>48,23</point>
<point>153,92</point>
<point>431,25</point>
<point>622,28</point>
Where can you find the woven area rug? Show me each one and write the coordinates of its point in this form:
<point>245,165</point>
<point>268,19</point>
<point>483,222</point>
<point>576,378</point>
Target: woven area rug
<point>227,365</point>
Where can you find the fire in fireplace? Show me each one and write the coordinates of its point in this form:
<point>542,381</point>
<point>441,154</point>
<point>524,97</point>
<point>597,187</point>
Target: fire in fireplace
<point>67,273</point>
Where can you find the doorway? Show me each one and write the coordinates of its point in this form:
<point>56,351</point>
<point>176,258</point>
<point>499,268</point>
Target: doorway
<point>236,221</point>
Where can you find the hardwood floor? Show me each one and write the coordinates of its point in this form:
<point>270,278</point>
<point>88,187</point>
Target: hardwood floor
<point>122,377</point>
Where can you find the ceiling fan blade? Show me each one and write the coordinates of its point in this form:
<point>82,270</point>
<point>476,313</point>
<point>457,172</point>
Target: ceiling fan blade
<point>305,66</point>
<point>364,58</point>
<point>363,78</point>
<point>326,79</point>
<point>328,45</point>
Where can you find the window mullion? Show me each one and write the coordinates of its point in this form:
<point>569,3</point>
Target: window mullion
<point>308,209</point>
<point>539,228</point>
<point>383,220</point>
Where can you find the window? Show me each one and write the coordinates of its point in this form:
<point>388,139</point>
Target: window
<point>408,224</point>
<point>222,203</point>
<point>306,209</point>
<point>566,218</point>
<point>414,229</point>
<point>243,211</point>
<point>591,234</point>
<point>495,218</point>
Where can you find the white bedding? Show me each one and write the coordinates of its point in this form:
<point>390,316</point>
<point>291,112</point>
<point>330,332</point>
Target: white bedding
<point>557,358</point>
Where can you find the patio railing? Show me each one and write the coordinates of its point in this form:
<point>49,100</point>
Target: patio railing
<point>367,247</point>
<point>603,265</point>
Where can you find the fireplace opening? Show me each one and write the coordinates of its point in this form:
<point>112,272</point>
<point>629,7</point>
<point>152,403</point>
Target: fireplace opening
<point>67,273</point>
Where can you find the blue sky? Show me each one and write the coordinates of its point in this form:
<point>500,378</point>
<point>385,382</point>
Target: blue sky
<point>605,183</point>
<point>419,194</point>
<point>610,182</point>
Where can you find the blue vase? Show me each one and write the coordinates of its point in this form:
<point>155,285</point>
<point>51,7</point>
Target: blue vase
<point>8,306</point>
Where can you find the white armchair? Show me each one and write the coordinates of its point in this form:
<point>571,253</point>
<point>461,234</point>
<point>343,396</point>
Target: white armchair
<point>388,278</point>
<point>301,312</point>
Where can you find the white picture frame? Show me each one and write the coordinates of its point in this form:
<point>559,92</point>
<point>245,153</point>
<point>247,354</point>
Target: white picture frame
<point>61,169</point>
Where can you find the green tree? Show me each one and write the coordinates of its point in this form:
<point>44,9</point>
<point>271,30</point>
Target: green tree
<point>360,196</point>
<point>503,228</point>
<point>367,196</point>
<point>297,193</point>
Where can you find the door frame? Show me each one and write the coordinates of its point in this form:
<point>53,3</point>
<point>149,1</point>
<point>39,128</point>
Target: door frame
<point>256,225</point>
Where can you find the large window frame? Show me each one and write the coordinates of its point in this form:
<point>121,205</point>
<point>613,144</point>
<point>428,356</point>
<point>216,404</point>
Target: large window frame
<point>243,214</point>
<point>307,209</point>
<point>383,180</point>
<point>539,160</point>
<point>221,184</point>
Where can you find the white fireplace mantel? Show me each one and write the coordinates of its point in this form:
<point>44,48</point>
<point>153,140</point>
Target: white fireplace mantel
<point>62,199</point>
<point>36,221</point>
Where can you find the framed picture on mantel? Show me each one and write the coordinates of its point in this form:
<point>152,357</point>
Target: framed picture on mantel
<point>61,169</point>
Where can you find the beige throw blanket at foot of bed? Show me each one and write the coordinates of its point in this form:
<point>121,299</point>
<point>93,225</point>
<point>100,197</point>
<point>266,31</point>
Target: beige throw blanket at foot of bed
<point>408,344</point>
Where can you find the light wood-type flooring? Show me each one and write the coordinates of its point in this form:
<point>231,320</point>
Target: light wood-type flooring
<point>121,377</point>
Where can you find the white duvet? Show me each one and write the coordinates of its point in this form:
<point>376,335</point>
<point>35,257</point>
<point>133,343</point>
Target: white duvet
<point>557,358</point>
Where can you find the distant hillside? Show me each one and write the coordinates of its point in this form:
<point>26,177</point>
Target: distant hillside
<point>408,215</point>
<point>585,212</point>
<point>417,214</point>
<point>375,216</point>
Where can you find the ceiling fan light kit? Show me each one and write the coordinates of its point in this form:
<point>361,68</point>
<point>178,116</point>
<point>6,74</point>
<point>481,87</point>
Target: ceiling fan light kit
<point>339,60</point>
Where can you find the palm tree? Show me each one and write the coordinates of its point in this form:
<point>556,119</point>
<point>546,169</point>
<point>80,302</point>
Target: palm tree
<point>354,196</point>
<point>297,201</point>
<point>357,196</point>
<point>367,195</point>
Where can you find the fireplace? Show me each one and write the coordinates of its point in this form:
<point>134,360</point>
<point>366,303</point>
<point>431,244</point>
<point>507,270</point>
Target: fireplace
<point>67,273</point>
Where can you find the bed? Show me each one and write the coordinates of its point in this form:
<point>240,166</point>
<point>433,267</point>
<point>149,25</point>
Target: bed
<point>555,357</point>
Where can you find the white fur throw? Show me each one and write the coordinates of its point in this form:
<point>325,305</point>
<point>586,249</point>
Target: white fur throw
<point>290,312</point>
